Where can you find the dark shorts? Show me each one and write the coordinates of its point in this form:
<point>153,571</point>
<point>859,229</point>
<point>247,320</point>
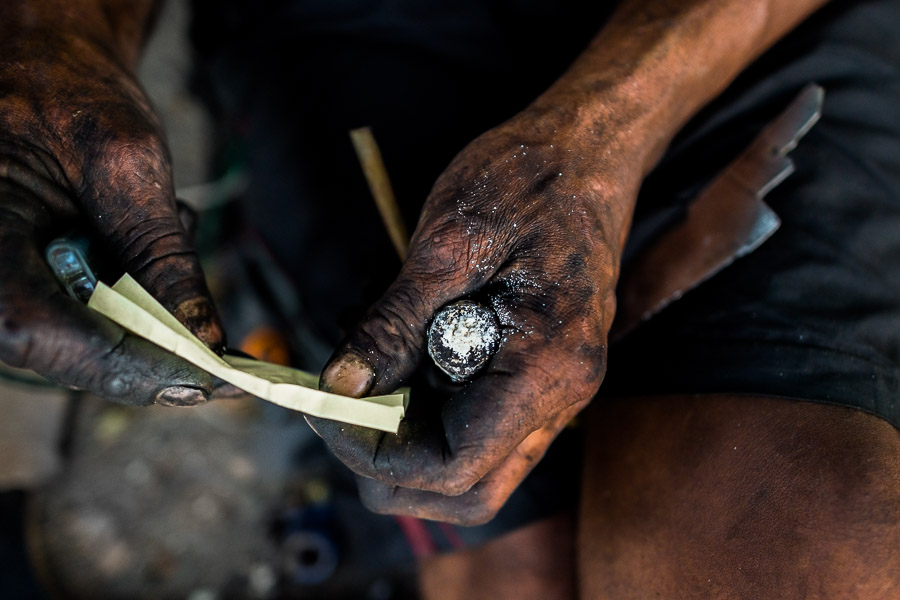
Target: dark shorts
<point>813,314</point>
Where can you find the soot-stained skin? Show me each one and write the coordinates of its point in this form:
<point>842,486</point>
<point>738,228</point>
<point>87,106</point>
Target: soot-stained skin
<point>544,249</point>
<point>81,147</point>
<point>520,217</point>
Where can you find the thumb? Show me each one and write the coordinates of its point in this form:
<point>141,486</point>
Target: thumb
<point>388,344</point>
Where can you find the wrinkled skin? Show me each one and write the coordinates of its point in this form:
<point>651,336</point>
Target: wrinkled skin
<point>502,221</point>
<point>81,147</point>
<point>79,142</point>
<point>526,215</point>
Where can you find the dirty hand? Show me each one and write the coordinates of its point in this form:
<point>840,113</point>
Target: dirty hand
<point>80,146</point>
<point>530,215</point>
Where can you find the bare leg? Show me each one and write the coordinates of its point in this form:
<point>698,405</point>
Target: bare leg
<point>536,562</point>
<point>739,497</point>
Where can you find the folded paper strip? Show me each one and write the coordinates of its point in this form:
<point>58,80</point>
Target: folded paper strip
<point>129,305</point>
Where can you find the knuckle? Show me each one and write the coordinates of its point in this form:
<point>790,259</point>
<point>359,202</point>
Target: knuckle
<point>484,505</point>
<point>379,506</point>
<point>575,383</point>
<point>577,363</point>
<point>139,156</point>
<point>378,497</point>
<point>154,242</point>
<point>477,514</point>
<point>94,367</point>
<point>119,386</point>
<point>126,176</point>
<point>144,234</point>
<point>590,361</point>
<point>582,390</point>
<point>458,482</point>
<point>392,333</point>
<point>402,312</point>
<point>474,508</point>
<point>444,247</point>
<point>460,243</point>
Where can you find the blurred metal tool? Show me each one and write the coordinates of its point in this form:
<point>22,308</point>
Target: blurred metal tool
<point>69,259</point>
<point>309,547</point>
<point>728,220</point>
<point>75,263</point>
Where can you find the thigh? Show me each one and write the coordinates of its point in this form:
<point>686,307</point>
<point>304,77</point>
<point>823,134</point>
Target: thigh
<point>533,562</point>
<point>738,497</point>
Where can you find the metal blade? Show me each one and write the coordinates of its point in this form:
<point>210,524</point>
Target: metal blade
<point>727,220</point>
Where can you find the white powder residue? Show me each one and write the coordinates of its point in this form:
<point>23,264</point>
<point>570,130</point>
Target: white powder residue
<point>502,310</point>
<point>519,280</point>
<point>462,338</point>
<point>465,333</point>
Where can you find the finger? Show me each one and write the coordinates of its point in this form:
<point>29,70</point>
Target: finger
<point>526,385</point>
<point>386,347</point>
<point>46,331</point>
<point>128,192</point>
<point>482,502</point>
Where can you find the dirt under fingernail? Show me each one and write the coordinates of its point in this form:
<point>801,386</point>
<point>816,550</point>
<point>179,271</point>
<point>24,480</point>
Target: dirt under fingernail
<point>179,395</point>
<point>349,375</point>
<point>201,318</point>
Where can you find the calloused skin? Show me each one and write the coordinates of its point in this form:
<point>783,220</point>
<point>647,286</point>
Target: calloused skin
<point>81,147</point>
<point>534,213</point>
<point>521,219</point>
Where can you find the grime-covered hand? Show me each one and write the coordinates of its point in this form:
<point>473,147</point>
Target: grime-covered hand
<point>530,219</point>
<point>532,216</point>
<point>80,148</point>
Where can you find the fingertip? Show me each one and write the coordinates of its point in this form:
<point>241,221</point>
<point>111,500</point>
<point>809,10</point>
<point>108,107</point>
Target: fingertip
<point>178,395</point>
<point>348,375</point>
<point>201,318</point>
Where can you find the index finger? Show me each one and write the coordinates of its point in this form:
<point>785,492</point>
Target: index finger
<point>44,330</point>
<point>127,192</point>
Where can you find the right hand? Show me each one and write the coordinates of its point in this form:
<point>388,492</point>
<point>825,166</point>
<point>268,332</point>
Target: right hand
<point>80,145</point>
<point>531,215</point>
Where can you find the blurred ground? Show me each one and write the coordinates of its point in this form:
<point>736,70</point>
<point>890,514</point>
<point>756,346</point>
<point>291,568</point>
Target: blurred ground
<point>230,500</point>
<point>32,424</point>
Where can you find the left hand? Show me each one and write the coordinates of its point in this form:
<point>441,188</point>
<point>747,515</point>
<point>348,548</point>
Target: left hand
<point>530,214</point>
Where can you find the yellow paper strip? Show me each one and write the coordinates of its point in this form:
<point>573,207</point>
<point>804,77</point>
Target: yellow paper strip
<point>129,305</point>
